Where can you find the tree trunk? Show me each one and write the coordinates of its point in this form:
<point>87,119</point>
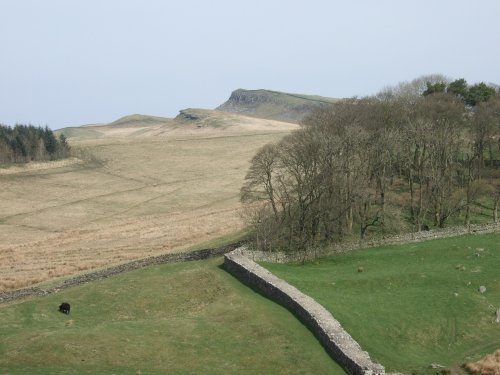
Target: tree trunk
<point>420,202</point>
<point>349,219</point>
<point>437,215</point>
<point>412,198</point>
<point>467,214</point>
<point>381,184</point>
<point>348,200</point>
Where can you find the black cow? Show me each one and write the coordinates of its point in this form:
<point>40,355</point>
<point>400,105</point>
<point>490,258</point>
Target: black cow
<point>64,307</point>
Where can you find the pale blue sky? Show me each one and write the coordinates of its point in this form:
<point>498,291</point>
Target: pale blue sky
<point>66,63</point>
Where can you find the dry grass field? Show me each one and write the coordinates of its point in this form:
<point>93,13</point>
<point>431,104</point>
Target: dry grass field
<point>489,365</point>
<point>136,188</point>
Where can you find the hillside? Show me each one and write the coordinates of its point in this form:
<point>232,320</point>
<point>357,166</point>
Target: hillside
<point>215,119</point>
<point>412,305</point>
<point>245,109</point>
<point>190,120</point>
<point>183,318</point>
<point>139,121</point>
<point>273,105</point>
<point>125,126</point>
<point>136,187</point>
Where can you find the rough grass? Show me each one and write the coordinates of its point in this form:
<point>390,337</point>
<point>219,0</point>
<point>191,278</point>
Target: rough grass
<point>187,318</point>
<point>131,197</point>
<point>412,305</point>
<point>489,365</point>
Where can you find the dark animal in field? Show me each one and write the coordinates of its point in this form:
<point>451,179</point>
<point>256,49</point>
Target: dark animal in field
<point>64,307</point>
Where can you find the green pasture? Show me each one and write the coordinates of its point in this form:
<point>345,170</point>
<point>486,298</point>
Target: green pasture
<point>185,318</point>
<point>413,305</point>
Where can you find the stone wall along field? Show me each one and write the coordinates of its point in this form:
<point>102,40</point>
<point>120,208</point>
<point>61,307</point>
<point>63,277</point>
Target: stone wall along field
<point>342,247</point>
<point>114,270</point>
<point>339,344</point>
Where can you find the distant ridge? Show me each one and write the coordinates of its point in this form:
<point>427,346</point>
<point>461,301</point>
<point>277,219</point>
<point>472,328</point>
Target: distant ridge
<point>274,105</point>
<point>139,120</point>
<point>249,109</point>
<point>188,121</point>
<point>125,126</point>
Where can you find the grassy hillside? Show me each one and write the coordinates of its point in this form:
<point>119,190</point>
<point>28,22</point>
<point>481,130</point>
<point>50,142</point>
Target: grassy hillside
<point>190,121</point>
<point>81,132</point>
<point>127,126</point>
<point>189,318</point>
<point>412,305</point>
<point>139,120</point>
<point>134,192</point>
<point>273,104</point>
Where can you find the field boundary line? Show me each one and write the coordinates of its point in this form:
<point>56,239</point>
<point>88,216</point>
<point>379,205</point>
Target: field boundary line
<point>335,339</point>
<point>347,246</point>
<point>118,269</point>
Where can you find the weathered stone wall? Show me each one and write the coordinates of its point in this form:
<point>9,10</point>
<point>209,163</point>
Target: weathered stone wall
<point>340,345</point>
<point>282,257</point>
<point>125,267</point>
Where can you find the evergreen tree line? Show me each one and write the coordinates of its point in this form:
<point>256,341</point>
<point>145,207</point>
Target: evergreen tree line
<point>471,95</point>
<point>389,163</point>
<point>24,143</point>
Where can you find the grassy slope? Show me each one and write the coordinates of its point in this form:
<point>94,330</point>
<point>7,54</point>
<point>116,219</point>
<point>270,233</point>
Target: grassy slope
<point>189,318</point>
<point>140,120</point>
<point>136,196</point>
<point>402,308</point>
<point>81,132</point>
<point>189,120</point>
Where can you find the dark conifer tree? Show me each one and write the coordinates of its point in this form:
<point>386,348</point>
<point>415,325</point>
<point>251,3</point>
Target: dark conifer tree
<point>24,143</point>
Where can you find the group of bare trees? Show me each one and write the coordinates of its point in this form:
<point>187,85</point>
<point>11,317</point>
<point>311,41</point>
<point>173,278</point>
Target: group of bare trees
<point>388,163</point>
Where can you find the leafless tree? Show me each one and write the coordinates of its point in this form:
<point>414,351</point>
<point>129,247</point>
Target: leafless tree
<point>337,172</point>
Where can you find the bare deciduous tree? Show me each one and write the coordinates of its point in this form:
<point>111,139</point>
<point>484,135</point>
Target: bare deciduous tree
<point>336,173</point>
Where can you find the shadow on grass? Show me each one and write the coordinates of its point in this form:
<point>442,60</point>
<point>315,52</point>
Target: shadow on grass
<point>295,314</point>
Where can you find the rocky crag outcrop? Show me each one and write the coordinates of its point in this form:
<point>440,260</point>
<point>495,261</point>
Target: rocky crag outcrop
<point>273,105</point>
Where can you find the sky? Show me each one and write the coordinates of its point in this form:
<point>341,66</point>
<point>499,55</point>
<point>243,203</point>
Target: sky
<point>69,63</point>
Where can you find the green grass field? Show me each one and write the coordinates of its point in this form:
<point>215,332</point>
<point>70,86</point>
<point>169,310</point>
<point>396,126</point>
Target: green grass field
<point>186,318</point>
<point>412,305</point>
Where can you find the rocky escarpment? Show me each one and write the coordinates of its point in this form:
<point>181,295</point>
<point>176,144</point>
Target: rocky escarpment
<point>204,118</point>
<point>273,105</point>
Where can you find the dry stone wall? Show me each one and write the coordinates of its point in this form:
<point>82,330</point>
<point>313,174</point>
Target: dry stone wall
<point>340,345</point>
<point>125,267</point>
<point>282,257</point>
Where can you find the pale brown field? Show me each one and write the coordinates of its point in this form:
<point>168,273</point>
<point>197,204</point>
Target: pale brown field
<point>489,365</point>
<point>134,191</point>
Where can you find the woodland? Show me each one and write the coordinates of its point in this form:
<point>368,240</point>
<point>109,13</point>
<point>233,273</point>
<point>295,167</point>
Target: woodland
<point>416,156</point>
<point>24,143</point>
